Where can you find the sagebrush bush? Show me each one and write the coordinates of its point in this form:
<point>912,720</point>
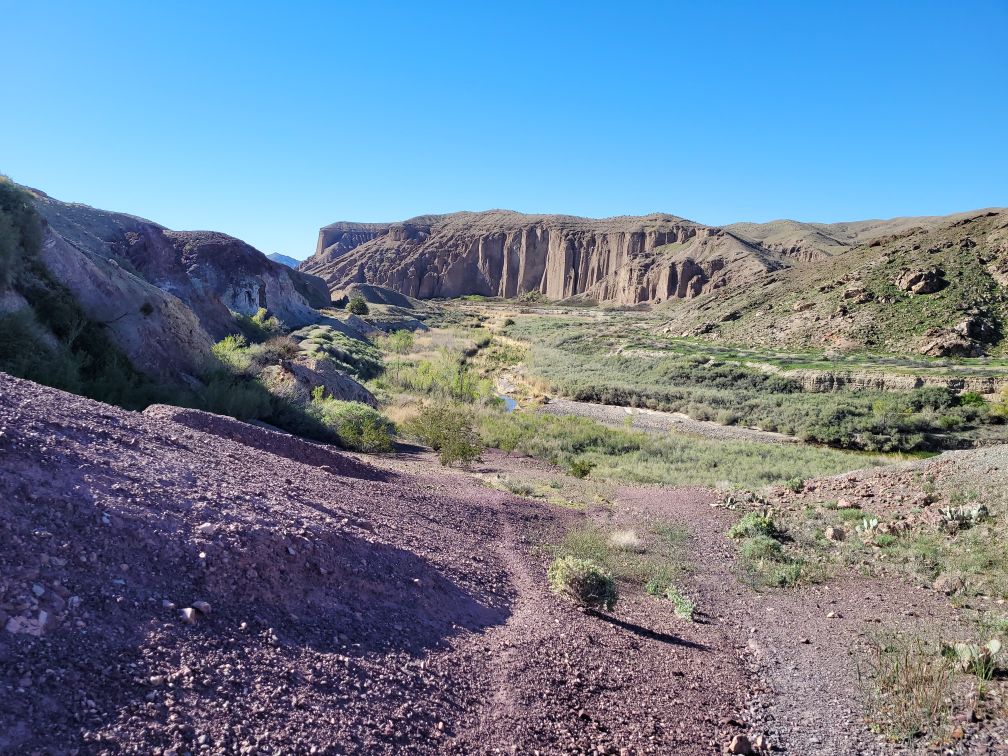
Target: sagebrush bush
<point>449,430</point>
<point>584,582</point>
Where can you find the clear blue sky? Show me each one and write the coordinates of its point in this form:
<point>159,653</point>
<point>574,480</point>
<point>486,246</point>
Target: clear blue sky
<point>268,120</point>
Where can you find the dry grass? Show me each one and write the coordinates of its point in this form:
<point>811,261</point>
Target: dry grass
<point>906,686</point>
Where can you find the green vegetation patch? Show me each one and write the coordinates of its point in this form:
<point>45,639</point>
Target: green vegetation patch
<point>624,454</point>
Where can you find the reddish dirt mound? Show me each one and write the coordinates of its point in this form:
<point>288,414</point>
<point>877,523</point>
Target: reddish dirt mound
<point>325,592</point>
<point>264,439</point>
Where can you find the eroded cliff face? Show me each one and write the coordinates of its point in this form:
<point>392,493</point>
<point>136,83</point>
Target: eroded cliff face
<point>211,273</point>
<point>498,253</point>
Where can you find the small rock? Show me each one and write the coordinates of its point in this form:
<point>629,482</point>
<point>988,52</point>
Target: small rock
<point>202,607</point>
<point>834,533</point>
<point>188,615</point>
<point>845,504</point>
<point>38,589</point>
<point>206,528</point>
<point>740,745</point>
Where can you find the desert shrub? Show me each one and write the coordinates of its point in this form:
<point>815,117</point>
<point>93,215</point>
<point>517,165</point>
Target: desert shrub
<point>580,468</point>
<point>795,485</point>
<point>584,582</point>
<point>761,548</point>
<point>357,305</point>
<point>753,524</point>
<point>447,428</point>
<point>357,426</point>
<point>273,352</point>
<point>232,352</point>
<point>259,326</point>
<point>447,376</point>
<point>971,399</point>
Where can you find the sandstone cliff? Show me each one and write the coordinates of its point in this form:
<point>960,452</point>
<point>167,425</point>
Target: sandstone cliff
<point>622,260</point>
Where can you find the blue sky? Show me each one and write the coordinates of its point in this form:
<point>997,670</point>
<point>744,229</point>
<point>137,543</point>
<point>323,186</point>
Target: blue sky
<point>269,120</point>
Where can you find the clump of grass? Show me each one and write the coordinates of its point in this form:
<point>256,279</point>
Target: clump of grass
<point>906,687</point>
<point>584,582</point>
<point>626,540</point>
<point>763,554</point>
<point>659,587</point>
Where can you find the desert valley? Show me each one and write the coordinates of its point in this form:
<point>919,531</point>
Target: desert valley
<point>500,483</point>
<point>518,379</point>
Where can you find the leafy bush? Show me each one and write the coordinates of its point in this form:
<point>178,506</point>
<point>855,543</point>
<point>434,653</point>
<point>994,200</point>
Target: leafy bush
<point>357,426</point>
<point>448,429</point>
<point>584,582</point>
<point>447,376</point>
<point>580,468</point>
<point>357,305</point>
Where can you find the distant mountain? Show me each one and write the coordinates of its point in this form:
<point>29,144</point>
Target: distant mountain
<point>290,262</point>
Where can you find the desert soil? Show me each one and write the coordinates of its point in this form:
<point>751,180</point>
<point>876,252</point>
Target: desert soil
<point>356,609</point>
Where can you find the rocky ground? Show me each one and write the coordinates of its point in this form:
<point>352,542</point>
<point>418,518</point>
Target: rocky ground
<point>174,582</point>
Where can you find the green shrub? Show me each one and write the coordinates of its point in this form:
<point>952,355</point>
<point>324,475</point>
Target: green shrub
<point>20,230</point>
<point>753,524</point>
<point>761,548</point>
<point>584,582</point>
<point>357,426</point>
<point>795,485</point>
<point>357,305</point>
<point>258,327</point>
<point>448,429</point>
<point>580,468</point>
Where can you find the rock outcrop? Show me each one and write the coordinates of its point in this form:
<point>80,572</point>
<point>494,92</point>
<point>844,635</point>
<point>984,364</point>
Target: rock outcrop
<point>623,260</point>
<point>212,273</point>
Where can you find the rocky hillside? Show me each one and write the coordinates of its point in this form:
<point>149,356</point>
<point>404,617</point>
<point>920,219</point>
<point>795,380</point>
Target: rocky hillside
<point>212,273</point>
<point>927,286</point>
<point>499,253</point>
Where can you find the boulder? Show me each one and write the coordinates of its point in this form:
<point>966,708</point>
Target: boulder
<point>922,281</point>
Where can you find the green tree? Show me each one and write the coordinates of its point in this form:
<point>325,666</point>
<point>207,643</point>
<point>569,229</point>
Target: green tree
<point>357,305</point>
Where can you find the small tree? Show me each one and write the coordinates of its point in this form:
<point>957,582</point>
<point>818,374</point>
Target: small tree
<point>357,305</point>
